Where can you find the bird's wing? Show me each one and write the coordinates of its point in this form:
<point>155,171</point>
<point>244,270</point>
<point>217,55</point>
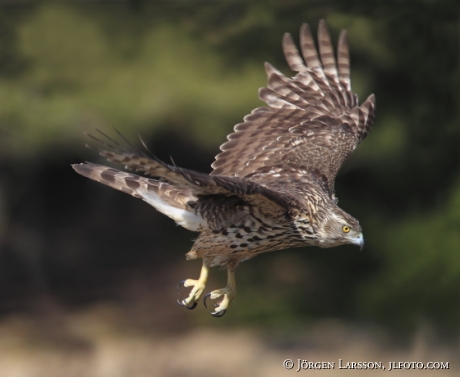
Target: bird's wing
<point>186,182</point>
<point>312,122</point>
<point>182,188</point>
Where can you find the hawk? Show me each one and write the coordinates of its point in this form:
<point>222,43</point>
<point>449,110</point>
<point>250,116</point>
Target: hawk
<point>272,186</point>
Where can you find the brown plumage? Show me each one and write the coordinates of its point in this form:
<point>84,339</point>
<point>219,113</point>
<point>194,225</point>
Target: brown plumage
<point>272,186</point>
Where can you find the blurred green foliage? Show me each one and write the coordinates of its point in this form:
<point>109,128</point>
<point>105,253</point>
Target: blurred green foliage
<point>191,70</point>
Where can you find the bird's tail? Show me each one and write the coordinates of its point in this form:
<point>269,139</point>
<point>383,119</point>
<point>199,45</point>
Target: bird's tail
<point>169,200</point>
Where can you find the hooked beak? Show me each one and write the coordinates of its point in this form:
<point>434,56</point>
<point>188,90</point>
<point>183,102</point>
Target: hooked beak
<point>359,241</point>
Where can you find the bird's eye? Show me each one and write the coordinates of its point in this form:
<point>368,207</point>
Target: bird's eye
<point>346,229</point>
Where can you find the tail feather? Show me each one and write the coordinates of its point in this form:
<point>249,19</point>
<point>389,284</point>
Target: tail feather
<point>135,160</point>
<point>169,200</point>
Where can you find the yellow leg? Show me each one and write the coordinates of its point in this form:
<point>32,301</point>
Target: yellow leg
<point>228,292</point>
<point>198,288</point>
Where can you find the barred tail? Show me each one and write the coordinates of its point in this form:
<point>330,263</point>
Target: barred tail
<point>165,198</point>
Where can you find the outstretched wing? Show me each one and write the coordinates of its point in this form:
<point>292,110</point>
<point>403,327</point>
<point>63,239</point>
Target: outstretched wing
<point>185,195</point>
<point>196,183</point>
<point>311,126</point>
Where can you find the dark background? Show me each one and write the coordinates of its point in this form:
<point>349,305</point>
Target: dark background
<point>181,74</point>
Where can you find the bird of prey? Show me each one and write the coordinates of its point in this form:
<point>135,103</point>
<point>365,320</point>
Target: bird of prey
<point>272,186</point>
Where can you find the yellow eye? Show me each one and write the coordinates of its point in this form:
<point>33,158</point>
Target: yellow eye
<point>346,229</point>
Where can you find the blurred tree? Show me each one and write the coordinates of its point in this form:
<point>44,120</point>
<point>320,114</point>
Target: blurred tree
<point>12,61</point>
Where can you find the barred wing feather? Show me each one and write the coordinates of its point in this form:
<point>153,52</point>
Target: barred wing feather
<point>312,122</point>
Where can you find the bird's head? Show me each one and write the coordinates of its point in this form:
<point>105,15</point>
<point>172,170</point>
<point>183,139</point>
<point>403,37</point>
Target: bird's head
<point>340,228</point>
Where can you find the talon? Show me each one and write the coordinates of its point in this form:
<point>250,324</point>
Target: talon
<point>219,314</point>
<point>205,298</point>
<point>191,307</point>
<point>181,284</point>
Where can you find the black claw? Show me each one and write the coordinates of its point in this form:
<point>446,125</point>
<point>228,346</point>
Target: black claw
<point>219,314</point>
<point>191,307</point>
<point>181,284</point>
<point>205,298</point>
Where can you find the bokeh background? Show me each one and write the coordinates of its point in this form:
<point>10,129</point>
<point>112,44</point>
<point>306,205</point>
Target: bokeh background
<point>88,275</point>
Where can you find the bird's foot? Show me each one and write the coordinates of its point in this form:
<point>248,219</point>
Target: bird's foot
<point>198,287</point>
<point>222,306</point>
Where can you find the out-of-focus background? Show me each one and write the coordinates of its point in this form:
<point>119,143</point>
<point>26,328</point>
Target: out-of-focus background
<point>88,275</point>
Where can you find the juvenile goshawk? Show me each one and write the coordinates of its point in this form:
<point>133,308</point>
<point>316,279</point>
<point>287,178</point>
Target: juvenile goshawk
<point>272,186</point>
